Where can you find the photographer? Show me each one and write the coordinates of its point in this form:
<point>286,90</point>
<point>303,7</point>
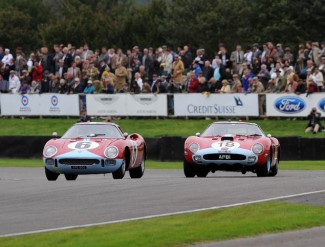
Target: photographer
<point>314,124</point>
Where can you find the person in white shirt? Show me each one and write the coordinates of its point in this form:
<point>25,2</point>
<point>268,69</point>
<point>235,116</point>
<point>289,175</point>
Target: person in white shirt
<point>139,80</point>
<point>7,57</point>
<point>14,82</point>
<point>318,78</point>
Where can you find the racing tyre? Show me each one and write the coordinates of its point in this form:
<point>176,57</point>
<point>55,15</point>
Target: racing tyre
<point>262,170</point>
<point>138,172</point>
<point>189,170</point>
<point>119,173</point>
<point>71,176</point>
<point>51,176</point>
<point>274,169</point>
<point>202,173</point>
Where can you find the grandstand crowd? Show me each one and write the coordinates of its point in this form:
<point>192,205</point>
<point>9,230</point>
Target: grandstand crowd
<point>265,68</point>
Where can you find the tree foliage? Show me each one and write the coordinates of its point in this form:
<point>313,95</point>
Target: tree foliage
<point>124,23</point>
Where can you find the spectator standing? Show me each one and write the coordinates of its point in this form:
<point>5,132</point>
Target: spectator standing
<point>14,82</point>
<point>301,88</point>
<point>196,68</point>
<point>225,87</point>
<point>247,76</point>
<point>237,59</point>
<point>291,84</point>
<point>98,88</point>
<point>178,69</point>
<point>193,83</point>
<point>7,57</point>
<point>318,78</point>
<point>63,87</point>
<point>121,76</point>
<point>264,75</point>
<point>207,70</point>
<point>35,88</point>
<point>4,85</point>
<point>89,89</point>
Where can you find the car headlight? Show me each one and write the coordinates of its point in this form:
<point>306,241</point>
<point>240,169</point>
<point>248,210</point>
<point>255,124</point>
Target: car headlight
<point>194,147</point>
<point>111,152</point>
<point>257,148</point>
<point>50,151</point>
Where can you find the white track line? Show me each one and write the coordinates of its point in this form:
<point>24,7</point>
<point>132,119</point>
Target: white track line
<point>162,215</point>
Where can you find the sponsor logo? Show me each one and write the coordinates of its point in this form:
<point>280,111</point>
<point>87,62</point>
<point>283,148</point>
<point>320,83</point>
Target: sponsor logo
<point>289,104</point>
<point>24,100</point>
<point>321,104</point>
<point>106,100</point>
<point>238,101</point>
<point>145,100</point>
<point>54,100</point>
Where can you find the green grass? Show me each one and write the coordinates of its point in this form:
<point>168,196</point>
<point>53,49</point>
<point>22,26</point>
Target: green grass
<point>150,164</point>
<point>212,225</point>
<point>145,127</point>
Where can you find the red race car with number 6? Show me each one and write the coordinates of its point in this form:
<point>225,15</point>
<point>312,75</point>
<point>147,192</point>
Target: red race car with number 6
<point>95,148</point>
<point>231,146</point>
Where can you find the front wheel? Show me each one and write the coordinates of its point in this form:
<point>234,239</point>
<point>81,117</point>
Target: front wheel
<point>274,169</point>
<point>51,176</point>
<point>189,170</point>
<point>138,172</point>
<point>71,177</point>
<point>119,173</point>
<point>202,173</point>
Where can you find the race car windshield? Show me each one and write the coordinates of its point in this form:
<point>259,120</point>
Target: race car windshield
<point>93,131</point>
<point>239,129</point>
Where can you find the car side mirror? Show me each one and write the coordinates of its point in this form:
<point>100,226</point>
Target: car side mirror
<point>125,134</point>
<point>269,135</point>
<point>198,134</point>
<point>55,135</point>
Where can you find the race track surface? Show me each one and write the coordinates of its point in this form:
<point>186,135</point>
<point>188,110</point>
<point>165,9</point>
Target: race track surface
<point>30,203</point>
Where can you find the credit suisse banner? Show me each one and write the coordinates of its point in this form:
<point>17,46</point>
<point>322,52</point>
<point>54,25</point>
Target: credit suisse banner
<point>126,104</point>
<point>216,104</point>
<point>39,105</point>
<point>292,105</point>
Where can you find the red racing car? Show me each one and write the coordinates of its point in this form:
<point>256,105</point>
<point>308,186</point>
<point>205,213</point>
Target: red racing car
<point>231,146</point>
<point>95,148</point>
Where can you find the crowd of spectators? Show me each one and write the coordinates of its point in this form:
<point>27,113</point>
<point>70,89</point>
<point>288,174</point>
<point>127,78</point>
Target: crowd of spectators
<point>261,68</point>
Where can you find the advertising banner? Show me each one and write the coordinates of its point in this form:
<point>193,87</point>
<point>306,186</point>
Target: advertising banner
<point>216,104</point>
<point>59,105</point>
<point>20,105</point>
<point>126,105</point>
<point>292,105</point>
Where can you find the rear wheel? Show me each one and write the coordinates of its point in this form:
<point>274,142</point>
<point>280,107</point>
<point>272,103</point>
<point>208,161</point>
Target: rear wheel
<point>138,172</point>
<point>71,176</point>
<point>51,176</point>
<point>119,173</point>
<point>189,170</point>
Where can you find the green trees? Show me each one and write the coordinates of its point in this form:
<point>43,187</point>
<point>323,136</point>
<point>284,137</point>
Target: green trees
<point>124,23</point>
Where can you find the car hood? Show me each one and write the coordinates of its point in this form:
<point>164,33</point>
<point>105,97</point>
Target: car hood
<point>82,145</point>
<point>245,142</point>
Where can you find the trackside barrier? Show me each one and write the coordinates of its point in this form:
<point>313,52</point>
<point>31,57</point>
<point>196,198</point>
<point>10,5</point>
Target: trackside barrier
<point>180,105</point>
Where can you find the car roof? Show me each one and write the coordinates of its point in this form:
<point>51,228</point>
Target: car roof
<point>233,122</point>
<point>97,123</point>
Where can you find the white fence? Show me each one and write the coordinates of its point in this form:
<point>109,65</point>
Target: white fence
<point>202,105</point>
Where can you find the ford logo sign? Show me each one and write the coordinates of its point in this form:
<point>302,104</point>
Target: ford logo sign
<point>321,104</point>
<point>289,104</point>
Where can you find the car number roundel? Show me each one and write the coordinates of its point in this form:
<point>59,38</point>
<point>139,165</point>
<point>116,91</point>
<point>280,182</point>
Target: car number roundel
<point>83,145</point>
<point>225,145</point>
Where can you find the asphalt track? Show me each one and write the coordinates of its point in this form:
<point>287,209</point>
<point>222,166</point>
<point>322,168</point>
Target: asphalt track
<point>28,202</point>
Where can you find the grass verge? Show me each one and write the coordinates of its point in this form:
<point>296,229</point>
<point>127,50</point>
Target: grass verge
<point>212,225</point>
<point>150,164</point>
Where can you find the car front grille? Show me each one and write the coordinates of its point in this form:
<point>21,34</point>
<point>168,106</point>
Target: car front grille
<point>225,156</point>
<point>82,162</point>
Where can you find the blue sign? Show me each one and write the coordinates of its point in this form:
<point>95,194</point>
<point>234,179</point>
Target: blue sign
<point>289,104</point>
<point>24,100</point>
<point>321,104</point>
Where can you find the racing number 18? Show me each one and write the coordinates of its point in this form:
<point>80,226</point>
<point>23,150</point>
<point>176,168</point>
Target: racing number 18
<point>226,144</point>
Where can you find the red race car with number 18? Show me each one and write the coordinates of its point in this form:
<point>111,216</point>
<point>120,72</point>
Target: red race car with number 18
<point>231,146</point>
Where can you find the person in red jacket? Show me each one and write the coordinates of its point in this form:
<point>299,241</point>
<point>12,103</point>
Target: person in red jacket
<point>37,72</point>
<point>193,83</point>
